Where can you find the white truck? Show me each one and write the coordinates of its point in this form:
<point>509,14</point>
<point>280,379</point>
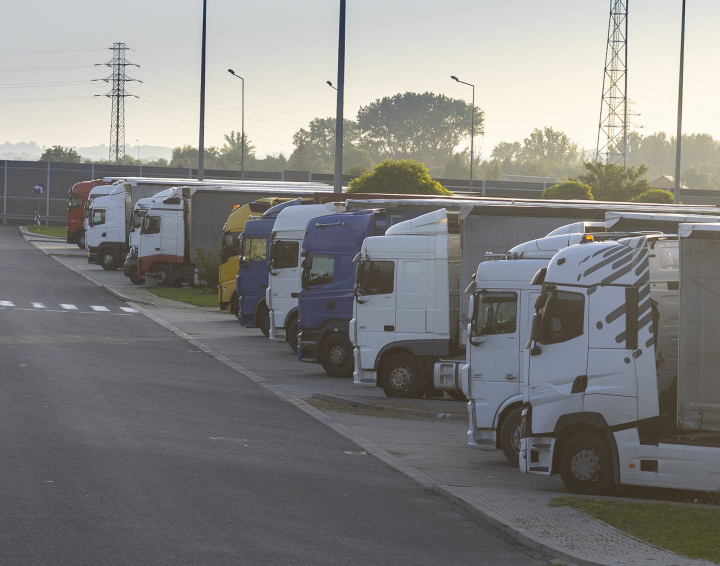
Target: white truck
<point>501,310</point>
<point>598,407</point>
<point>285,269</point>
<point>425,323</point>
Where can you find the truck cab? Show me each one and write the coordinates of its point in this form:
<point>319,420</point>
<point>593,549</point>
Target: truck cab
<point>108,227</point>
<point>77,197</point>
<point>284,267</point>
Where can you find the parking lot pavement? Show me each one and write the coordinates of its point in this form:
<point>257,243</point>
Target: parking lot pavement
<point>433,452</point>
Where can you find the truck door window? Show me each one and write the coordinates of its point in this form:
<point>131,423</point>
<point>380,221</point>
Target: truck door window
<point>562,317</point>
<point>74,201</point>
<point>377,277</point>
<point>321,270</point>
<point>98,217</point>
<point>137,217</point>
<point>495,314</point>
<point>151,225</point>
<point>286,254</point>
<point>230,246</point>
<point>254,249</point>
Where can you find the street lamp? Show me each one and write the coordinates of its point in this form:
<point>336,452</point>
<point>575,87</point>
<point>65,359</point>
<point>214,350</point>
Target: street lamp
<point>138,151</point>
<point>242,134</point>
<point>331,85</point>
<point>472,127</point>
<point>678,139</point>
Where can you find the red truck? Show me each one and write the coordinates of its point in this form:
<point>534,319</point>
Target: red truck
<point>77,197</point>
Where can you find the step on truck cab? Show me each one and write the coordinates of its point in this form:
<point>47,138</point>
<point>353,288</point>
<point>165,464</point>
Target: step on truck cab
<point>77,197</point>
<point>284,267</point>
<point>252,277</point>
<point>596,408</point>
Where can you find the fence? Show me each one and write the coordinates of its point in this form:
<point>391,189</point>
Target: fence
<point>20,202</point>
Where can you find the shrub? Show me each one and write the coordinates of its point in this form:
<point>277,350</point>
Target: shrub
<point>569,190</point>
<point>654,195</point>
<point>398,177</point>
<point>208,266</point>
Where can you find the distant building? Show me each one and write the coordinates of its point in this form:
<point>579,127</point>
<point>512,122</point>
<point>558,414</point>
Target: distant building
<point>550,181</point>
<point>666,182</point>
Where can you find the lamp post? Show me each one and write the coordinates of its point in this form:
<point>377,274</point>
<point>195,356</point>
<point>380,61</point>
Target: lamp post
<point>242,133</point>
<point>676,191</point>
<point>138,142</point>
<point>201,144</point>
<point>340,96</point>
<point>472,128</point>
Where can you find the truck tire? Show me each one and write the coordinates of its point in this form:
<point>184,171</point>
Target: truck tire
<point>510,436</point>
<point>163,274</point>
<point>292,333</point>
<point>263,320</point>
<point>336,355</point>
<point>401,376</point>
<point>234,305</point>
<point>134,277</point>
<point>80,240</point>
<point>586,464</point>
<point>108,260</point>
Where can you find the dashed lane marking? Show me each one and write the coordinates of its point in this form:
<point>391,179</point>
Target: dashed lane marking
<point>38,305</point>
<point>98,308</point>
<point>68,307</point>
<point>7,304</point>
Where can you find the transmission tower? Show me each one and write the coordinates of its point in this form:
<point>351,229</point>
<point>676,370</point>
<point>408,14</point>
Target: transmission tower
<point>118,94</point>
<point>612,133</point>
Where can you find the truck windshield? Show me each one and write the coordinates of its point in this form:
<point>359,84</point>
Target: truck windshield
<point>562,318</point>
<point>285,254</point>
<point>495,314</point>
<point>254,249</point>
<point>97,216</point>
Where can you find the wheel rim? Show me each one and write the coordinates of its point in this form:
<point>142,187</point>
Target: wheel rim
<point>337,355</point>
<point>107,259</point>
<point>401,378</point>
<point>516,438</point>
<point>585,465</point>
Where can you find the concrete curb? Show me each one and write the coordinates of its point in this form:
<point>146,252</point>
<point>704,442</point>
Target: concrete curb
<point>387,409</point>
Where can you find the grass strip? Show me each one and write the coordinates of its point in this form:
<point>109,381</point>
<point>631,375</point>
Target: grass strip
<point>689,530</point>
<point>59,231</point>
<point>199,297</point>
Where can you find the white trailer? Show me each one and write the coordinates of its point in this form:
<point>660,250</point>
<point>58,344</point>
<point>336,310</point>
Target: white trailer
<point>596,409</point>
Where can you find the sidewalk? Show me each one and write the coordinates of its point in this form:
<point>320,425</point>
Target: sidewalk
<point>424,439</point>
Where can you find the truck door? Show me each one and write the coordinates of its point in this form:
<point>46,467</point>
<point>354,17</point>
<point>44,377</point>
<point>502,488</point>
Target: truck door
<point>558,358</point>
<point>375,308</point>
<point>318,294</point>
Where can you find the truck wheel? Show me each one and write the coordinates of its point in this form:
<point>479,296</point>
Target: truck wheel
<point>162,272</point>
<point>336,355</point>
<point>134,277</point>
<point>234,305</point>
<point>263,320</point>
<point>80,241</point>
<point>401,376</point>
<point>108,260</point>
<point>292,332</point>
<point>510,436</point>
<point>586,464</point>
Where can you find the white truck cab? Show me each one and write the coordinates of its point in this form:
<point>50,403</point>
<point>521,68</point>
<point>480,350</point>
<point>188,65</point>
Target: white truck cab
<point>285,267</point>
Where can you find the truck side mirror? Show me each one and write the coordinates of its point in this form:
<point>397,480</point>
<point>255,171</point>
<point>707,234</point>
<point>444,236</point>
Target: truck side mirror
<point>244,264</point>
<point>477,340</point>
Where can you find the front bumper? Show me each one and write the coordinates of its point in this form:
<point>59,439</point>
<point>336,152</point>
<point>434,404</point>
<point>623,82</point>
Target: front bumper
<point>93,255</point>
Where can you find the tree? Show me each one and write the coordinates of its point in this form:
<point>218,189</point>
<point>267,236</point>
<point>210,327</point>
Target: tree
<point>506,150</point>
<point>398,177</point>
<point>424,127</point>
<point>59,153</point>
<point>569,190</point>
<point>613,182</point>
<point>550,147</point>
<point>315,146</point>
<point>189,156</point>
<point>230,154</point>
<point>654,195</point>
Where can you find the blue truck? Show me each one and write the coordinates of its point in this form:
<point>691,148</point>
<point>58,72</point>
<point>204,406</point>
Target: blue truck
<point>325,300</point>
<point>252,278</point>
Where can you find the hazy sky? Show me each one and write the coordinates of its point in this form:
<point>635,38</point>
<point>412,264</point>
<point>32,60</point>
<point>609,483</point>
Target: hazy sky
<point>533,63</point>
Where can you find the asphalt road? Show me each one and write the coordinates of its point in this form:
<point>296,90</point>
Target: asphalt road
<point>122,444</point>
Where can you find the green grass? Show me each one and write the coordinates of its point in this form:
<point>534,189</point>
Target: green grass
<point>207,297</point>
<point>60,231</point>
<point>684,529</point>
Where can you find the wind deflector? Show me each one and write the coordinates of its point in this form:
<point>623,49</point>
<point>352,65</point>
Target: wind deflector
<point>275,210</point>
<point>539,277</point>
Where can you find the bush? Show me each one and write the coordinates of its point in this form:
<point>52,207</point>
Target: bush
<point>208,266</point>
<point>396,178</point>
<point>569,190</point>
<point>654,195</point>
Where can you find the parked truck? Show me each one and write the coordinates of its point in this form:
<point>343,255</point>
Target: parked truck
<point>501,309</point>
<point>598,408</point>
<point>77,197</point>
<point>281,296</point>
<point>402,328</point>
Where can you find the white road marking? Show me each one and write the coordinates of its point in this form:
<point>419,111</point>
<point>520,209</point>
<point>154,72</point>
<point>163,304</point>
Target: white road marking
<point>127,309</point>
<point>69,307</point>
<point>38,305</point>
<point>99,308</point>
<point>7,304</point>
